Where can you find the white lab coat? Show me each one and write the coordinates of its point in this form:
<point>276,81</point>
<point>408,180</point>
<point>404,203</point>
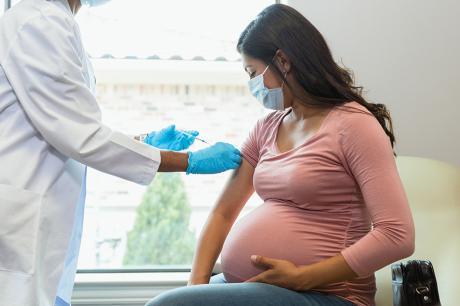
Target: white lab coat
<point>50,128</point>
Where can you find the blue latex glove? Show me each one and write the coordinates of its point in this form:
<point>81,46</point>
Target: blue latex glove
<point>171,139</point>
<point>215,159</point>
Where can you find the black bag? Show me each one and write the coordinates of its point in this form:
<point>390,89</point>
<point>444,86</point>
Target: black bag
<point>414,284</point>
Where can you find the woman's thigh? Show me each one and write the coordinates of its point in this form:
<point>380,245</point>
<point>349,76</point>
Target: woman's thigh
<point>218,293</point>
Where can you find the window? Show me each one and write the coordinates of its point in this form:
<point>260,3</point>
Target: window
<point>158,63</point>
<point>3,6</point>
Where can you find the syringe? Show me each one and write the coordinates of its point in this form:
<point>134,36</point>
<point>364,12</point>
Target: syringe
<point>197,138</point>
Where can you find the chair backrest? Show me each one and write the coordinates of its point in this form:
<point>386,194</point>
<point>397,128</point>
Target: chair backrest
<point>433,190</point>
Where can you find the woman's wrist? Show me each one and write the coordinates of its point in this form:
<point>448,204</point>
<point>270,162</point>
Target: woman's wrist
<point>306,277</point>
<point>199,279</point>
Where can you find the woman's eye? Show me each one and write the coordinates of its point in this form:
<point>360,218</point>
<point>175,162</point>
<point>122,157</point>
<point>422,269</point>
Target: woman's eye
<point>252,74</point>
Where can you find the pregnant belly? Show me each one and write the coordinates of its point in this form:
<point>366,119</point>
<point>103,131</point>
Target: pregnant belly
<point>279,231</point>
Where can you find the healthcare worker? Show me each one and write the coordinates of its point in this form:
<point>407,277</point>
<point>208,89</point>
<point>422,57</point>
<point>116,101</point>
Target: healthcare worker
<point>50,129</point>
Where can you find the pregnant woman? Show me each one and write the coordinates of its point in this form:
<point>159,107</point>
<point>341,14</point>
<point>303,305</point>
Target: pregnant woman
<point>334,207</point>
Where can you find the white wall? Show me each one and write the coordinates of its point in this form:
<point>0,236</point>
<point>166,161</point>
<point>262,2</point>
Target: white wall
<point>407,55</point>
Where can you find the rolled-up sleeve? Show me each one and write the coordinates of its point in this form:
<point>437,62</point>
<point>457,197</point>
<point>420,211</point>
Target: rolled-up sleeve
<point>369,157</point>
<point>44,66</point>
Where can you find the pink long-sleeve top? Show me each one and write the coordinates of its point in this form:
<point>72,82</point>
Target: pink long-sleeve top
<point>338,192</point>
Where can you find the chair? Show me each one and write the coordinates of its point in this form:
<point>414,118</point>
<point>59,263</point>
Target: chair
<point>433,190</point>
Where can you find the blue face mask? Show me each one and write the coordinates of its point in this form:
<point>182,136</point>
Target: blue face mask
<point>269,98</point>
<point>93,2</point>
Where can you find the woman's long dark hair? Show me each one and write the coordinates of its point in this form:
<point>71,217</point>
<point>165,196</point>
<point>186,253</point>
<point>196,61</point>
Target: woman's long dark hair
<point>325,84</point>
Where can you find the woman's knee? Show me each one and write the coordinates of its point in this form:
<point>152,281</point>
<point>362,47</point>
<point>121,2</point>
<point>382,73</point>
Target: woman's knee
<point>167,298</point>
<point>183,296</point>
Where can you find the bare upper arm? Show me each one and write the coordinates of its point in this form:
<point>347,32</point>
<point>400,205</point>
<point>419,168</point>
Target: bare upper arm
<point>236,192</point>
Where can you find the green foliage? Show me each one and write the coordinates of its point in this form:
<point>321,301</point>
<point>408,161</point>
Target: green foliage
<point>160,235</point>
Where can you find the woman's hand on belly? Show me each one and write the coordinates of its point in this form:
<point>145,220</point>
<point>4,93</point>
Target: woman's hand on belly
<point>281,273</point>
<point>284,273</point>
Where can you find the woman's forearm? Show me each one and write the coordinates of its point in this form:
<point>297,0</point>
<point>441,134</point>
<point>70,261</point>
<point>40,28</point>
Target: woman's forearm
<point>209,246</point>
<point>236,193</point>
<point>328,271</point>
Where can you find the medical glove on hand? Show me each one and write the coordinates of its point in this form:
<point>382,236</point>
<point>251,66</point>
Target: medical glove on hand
<point>215,159</point>
<point>171,139</point>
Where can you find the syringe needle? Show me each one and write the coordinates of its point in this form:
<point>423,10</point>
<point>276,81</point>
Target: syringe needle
<point>197,138</point>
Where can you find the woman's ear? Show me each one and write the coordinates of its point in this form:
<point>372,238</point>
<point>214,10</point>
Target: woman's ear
<point>282,61</point>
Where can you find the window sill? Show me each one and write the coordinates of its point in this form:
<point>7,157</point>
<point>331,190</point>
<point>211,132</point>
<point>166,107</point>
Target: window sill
<point>123,289</point>
<point>118,289</point>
